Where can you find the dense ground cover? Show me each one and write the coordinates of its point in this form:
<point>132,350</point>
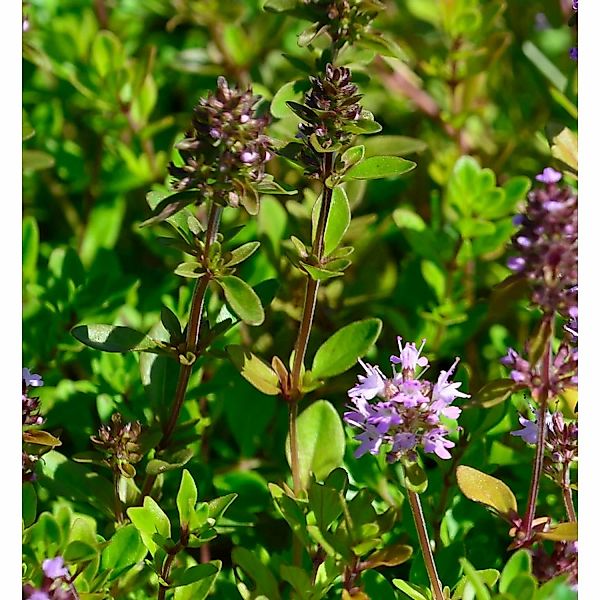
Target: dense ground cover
<point>299,299</point>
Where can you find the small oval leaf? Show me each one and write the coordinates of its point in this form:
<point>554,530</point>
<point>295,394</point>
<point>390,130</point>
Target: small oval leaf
<point>488,490</point>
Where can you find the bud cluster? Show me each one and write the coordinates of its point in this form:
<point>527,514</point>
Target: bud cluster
<point>408,410</point>
<point>335,101</point>
<point>225,152</point>
<point>346,21</point>
<point>120,441</point>
<point>547,245</point>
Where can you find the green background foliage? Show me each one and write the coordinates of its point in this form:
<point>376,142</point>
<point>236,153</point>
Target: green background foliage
<point>474,93</point>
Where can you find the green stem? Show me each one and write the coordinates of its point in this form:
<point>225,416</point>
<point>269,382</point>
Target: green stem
<point>166,570</point>
<point>538,462</point>
<point>192,337</point>
<point>417,512</point>
<point>308,313</point>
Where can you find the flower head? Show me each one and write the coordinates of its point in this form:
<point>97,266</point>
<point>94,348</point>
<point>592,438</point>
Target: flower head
<point>403,412</point>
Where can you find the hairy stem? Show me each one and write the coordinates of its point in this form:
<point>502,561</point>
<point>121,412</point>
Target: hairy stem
<point>568,494</point>
<point>417,512</point>
<point>538,462</point>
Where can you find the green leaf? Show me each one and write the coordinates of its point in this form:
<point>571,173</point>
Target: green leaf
<point>242,299</point>
<point>113,338</point>
<point>342,350</point>
<point>254,370</point>
<point>40,438</point>
<point>156,466</point>
<point>523,587</point>
<point>31,243</point>
<point>319,274</point>
<point>150,519</point>
<point>77,551</point>
<point>473,228</point>
<point>27,131</point>
<point>280,5</point>
<point>291,91</point>
<point>362,126</point>
<point>292,512</point>
<point>124,549</point>
<point>327,503</point>
<point>488,576</point>
<point>204,577</point>
<point>406,218</point>
<point>36,160</point>
<point>477,580</point>
<point>186,498</point>
<point>266,584</point>
<point>107,53</point>
<point>241,253</point>
<point>197,573</point>
<point>415,592</point>
<point>29,504</point>
<point>393,145</point>
<point>545,65</point>
<point>352,156</point>
<point>380,167</point>
<point>390,556</point>
<point>321,441</point>
<point>218,506</point>
<point>485,489</point>
<point>518,563</point>
<point>435,277</point>
<point>494,392</point>
<point>563,532</point>
<point>191,270</point>
<point>166,205</point>
<point>564,148</point>
<point>337,221</point>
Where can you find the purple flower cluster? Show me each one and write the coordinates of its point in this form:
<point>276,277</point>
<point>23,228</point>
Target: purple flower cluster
<point>563,370</point>
<point>31,416</point>
<point>408,410</point>
<point>547,245</point>
<point>56,584</point>
<point>562,561</point>
<point>561,441</point>
<point>226,149</point>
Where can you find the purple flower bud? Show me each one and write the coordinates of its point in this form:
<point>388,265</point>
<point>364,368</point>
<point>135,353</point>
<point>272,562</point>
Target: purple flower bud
<point>574,53</point>
<point>549,175</point>
<point>248,156</point>
<point>409,356</point>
